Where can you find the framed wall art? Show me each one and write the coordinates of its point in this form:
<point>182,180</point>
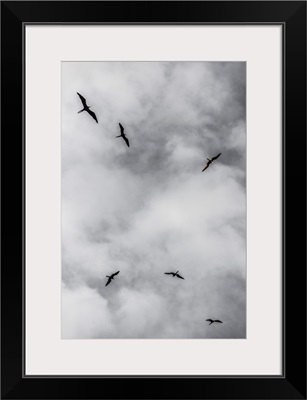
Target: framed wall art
<point>153,200</point>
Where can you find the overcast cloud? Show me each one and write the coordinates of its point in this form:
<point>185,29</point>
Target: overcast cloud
<point>148,209</point>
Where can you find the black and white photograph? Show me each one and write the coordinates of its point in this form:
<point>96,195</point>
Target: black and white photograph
<point>153,206</point>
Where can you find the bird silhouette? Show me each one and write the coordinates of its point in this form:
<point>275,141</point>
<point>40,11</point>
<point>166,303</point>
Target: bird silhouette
<point>174,274</point>
<point>87,108</point>
<point>111,277</point>
<point>123,134</point>
<point>210,161</point>
<point>214,320</point>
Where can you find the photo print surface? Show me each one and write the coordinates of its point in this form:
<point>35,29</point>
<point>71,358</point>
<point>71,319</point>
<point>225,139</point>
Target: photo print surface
<point>153,170</point>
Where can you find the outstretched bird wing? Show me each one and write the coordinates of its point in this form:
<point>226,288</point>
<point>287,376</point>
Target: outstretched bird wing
<point>217,320</point>
<point>115,273</point>
<point>126,140</point>
<point>109,281</point>
<point>169,273</point>
<point>121,127</point>
<point>206,167</point>
<point>179,276</point>
<point>92,114</point>
<point>214,158</point>
<point>210,320</point>
<point>82,99</point>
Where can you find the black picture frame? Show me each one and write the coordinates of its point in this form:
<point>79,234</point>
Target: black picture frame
<point>14,16</point>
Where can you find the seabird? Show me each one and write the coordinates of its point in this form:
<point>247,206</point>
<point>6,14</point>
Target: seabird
<point>211,161</point>
<point>87,108</point>
<point>123,134</point>
<point>174,274</point>
<point>214,320</point>
<point>111,277</point>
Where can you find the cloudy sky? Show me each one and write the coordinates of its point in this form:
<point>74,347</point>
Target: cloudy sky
<point>149,209</point>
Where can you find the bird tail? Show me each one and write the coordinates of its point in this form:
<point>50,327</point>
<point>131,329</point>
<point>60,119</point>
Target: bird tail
<point>118,136</point>
<point>80,111</point>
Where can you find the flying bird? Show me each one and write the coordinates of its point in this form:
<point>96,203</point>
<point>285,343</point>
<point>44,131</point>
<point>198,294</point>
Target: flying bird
<point>122,134</point>
<point>174,274</point>
<point>87,108</point>
<point>210,161</point>
<point>111,277</point>
<point>214,320</point>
